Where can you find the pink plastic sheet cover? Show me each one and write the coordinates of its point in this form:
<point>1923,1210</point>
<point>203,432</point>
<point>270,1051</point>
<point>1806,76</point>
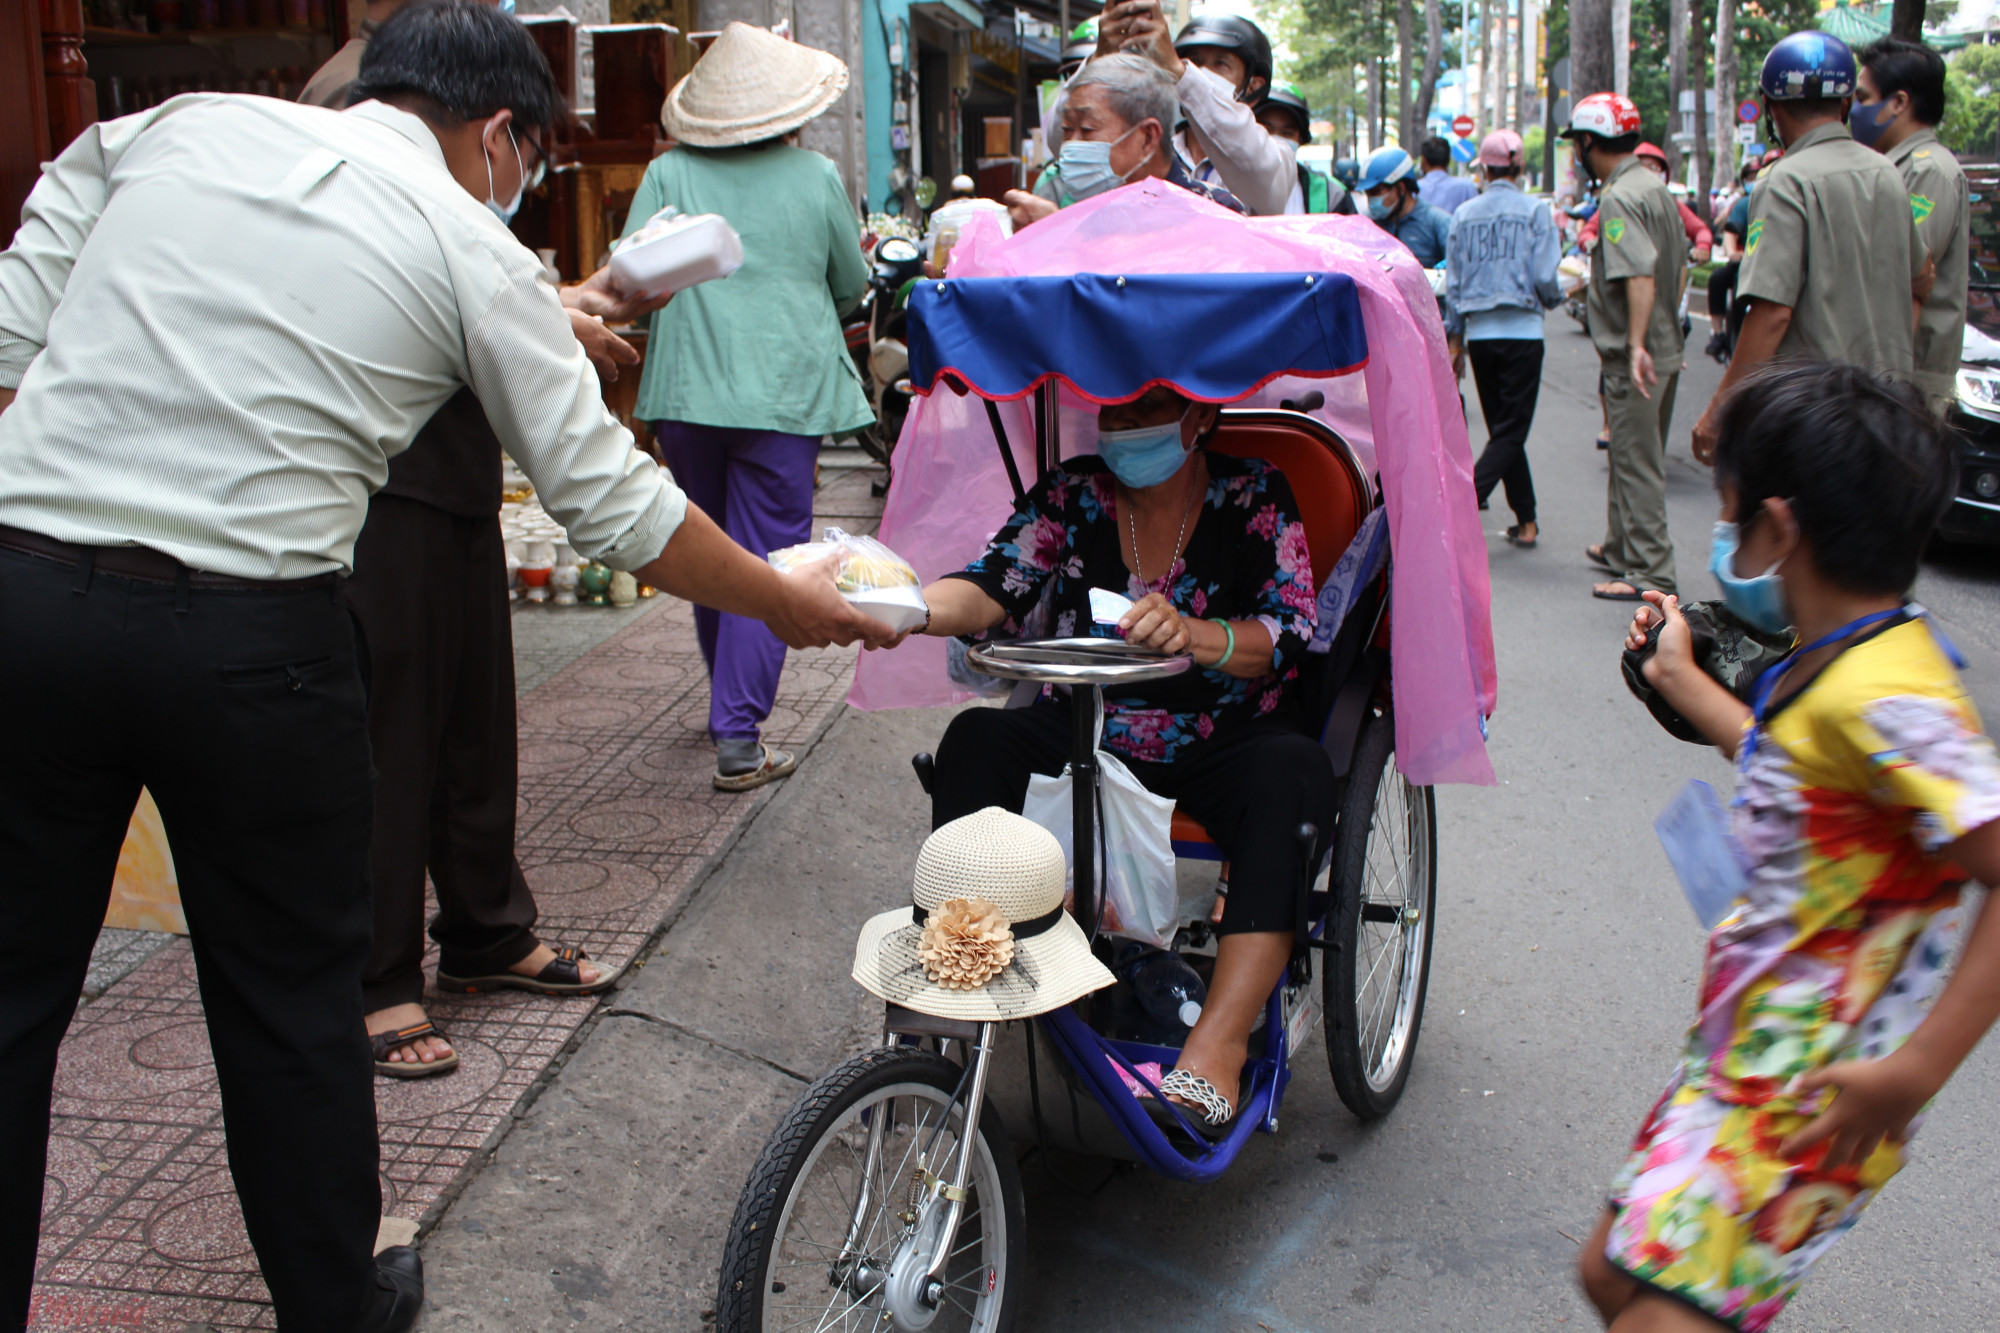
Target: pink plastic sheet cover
<point>1401,413</point>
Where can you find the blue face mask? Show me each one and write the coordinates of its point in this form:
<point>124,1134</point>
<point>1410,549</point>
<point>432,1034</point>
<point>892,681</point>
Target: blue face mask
<point>1084,167</point>
<point>1381,209</point>
<point>1867,125</point>
<point>1145,455</point>
<point>1758,601</point>
<point>506,212</point>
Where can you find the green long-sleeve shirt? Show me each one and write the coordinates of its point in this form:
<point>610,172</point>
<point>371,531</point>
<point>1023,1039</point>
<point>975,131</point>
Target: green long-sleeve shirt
<point>761,349</point>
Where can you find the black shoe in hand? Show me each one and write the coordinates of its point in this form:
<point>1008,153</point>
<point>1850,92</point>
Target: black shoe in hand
<point>399,1291</point>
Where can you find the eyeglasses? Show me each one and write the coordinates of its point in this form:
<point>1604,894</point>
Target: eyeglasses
<point>531,180</point>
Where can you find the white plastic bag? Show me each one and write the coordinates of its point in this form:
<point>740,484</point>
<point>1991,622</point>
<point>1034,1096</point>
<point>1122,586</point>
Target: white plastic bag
<point>872,577</point>
<point>1141,900</point>
<point>675,251</point>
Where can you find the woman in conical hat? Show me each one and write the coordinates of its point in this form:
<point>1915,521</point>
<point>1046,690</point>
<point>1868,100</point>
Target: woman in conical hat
<point>745,375</point>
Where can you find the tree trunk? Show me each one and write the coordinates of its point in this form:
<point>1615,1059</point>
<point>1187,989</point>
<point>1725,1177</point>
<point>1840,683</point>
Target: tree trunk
<point>1725,91</point>
<point>1702,176</point>
<point>1907,20</point>
<point>1433,58</point>
<point>1374,68</point>
<point>1677,82</point>
<point>1407,133</point>
<point>1621,46</point>
<point>1521,68</point>
<point>1486,63</point>
<point>1590,64</point>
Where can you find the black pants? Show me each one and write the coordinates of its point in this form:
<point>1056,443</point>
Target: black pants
<point>430,592</point>
<point>1250,787</point>
<point>243,713</point>
<point>1508,372</point>
<point>1722,287</point>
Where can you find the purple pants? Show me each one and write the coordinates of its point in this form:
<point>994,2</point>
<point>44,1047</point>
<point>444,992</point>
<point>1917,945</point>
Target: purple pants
<point>758,484</point>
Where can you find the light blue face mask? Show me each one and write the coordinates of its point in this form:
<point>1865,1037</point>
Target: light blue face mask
<point>1084,166</point>
<point>1758,601</point>
<point>1145,455</point>
<point>506,212</point>
<point>1381,209</point>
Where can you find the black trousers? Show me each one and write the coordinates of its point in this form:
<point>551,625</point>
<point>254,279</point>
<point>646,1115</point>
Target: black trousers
<point>430,592</point>
<point>1250,787</point>
<point>243,713</point>
<point>1722,287</point>
<point>1508,372</point>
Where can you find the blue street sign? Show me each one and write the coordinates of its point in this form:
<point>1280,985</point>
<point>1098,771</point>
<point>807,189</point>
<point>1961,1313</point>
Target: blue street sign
<point>1462,150</point>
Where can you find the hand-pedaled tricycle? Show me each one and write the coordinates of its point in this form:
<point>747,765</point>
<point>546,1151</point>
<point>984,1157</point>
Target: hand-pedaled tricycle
<point>873,1206</point>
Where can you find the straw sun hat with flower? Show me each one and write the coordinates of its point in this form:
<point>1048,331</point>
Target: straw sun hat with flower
<point>987,938</point>
<point>751,84</point>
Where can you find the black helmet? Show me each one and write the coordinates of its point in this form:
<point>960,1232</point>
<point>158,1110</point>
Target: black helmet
<point>1231,33</point>
<point>1288,96</point>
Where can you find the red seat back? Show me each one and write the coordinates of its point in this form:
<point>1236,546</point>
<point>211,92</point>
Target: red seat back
<point>1333,492</point>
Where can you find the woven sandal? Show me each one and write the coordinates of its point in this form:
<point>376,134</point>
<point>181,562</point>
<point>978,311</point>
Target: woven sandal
<point>561,976</point>
<point>777,764</point>
<point>384,1042</point>
<point>1211,1121</point>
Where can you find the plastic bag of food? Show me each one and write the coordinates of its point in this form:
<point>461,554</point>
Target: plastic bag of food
<point>879,582</point>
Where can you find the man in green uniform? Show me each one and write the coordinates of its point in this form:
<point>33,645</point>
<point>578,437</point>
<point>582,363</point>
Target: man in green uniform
<point>1832,265</point>
<point>1636,275</point>
<point>1898,102</point>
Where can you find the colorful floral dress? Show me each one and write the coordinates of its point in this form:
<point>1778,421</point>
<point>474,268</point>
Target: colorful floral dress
<point>1245,559</point>
<point>1836,952</point>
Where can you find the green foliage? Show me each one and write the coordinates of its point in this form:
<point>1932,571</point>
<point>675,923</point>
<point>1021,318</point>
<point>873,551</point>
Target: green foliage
<point>1533,141</point>
<point>1324,46</point>
<point>1972,101</point>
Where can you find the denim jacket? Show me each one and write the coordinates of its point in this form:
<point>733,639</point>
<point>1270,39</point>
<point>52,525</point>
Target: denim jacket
<point>1502,255</point>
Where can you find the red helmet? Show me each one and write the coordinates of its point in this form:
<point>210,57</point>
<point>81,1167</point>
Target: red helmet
<point>1607,115</point>
<point>1652,150</point>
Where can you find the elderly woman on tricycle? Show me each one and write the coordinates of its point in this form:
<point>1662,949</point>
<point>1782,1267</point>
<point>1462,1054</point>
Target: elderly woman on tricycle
<point>1210,549</point>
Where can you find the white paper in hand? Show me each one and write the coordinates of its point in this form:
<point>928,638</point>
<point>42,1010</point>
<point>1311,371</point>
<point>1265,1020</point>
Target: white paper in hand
<point>1107,607</point>
<point>1704,855</point>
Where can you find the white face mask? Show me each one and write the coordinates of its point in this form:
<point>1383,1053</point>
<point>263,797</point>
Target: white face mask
<point>505,212</point>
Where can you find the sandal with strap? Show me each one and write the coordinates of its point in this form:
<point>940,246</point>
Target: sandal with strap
<point>1212,1121</point>
<point>561,976</point>
<point>384,1042</point>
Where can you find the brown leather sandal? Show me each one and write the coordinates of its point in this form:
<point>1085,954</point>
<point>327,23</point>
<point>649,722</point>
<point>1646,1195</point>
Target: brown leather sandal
<point>384,1042</point>
<point>562,976</point>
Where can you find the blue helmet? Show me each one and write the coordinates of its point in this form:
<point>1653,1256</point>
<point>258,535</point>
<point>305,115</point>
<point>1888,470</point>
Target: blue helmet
<point>1807,65</point>
<point>1385,167</point>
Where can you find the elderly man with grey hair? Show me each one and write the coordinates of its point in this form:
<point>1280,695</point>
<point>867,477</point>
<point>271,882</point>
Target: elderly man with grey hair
<point>1117,118</point>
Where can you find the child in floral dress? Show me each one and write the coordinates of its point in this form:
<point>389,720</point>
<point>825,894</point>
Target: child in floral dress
<point>1866,798</point>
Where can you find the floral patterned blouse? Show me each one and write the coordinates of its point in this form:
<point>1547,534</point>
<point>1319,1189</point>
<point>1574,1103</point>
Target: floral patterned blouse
<point>1245,560</point>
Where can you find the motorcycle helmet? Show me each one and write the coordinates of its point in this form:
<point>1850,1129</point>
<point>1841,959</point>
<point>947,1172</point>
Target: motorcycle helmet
<point>1386,166</point>
<point>1234,34</point>
<point>1288,96</point>
<point>1081,47</point>
<point>1606,115</point>
<point>1807,65</point>
<point>1347,171</point>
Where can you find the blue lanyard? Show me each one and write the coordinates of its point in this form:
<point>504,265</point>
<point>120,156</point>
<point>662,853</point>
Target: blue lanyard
<point>1760,696</point>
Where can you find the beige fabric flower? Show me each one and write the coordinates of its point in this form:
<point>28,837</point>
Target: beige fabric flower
<point>965,944</point>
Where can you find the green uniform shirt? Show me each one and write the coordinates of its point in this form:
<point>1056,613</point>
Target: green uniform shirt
<point>1940,205</point>
<point>1831,236</point>
<point>762,348</point>
<point>1639,236</point>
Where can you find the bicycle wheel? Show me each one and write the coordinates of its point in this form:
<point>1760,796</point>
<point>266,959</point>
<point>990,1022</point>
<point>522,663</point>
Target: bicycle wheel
<point>1385,891</point>
<point>826,1236</point>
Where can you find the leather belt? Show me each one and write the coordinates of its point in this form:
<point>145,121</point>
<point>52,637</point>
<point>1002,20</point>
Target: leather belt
<point>146,565</point>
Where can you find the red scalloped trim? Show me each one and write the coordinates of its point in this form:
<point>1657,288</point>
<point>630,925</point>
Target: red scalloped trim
<point>961,385</point>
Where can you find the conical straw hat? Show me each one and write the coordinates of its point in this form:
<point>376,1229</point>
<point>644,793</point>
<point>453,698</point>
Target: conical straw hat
<point>752,84</point>
<point>1015,867</point>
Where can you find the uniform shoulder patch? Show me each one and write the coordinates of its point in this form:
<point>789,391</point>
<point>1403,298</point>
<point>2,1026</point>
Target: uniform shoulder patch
<point>1754,235</point>
<point>1921,152</point>
<point>1921,206</point>
<point>1614,230</point>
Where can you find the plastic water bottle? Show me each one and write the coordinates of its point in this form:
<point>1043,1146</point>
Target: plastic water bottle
<point>1168,989</point>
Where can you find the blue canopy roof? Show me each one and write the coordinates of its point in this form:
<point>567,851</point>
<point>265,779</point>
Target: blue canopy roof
<point>1214,337</point>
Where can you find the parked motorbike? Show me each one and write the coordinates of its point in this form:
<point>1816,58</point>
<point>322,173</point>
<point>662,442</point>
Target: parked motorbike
<point>874,334</point>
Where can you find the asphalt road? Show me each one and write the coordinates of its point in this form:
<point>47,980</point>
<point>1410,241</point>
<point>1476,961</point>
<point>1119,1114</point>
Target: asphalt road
<point>1563,975</point>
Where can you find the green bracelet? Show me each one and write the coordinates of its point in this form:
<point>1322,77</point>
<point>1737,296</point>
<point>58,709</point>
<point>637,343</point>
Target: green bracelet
<point>1229,651</point>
